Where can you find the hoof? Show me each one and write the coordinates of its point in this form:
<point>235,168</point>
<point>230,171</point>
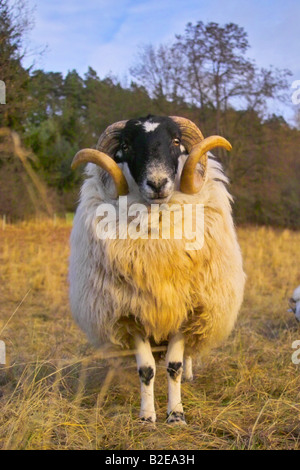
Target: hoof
<point>148,418</point>
<point>148,423</point>
<point>189,378</point>
<point>177,417</point>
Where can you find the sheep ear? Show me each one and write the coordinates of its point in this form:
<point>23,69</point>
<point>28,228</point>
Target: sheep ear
<point>109,140</point>
<point>120,157</point>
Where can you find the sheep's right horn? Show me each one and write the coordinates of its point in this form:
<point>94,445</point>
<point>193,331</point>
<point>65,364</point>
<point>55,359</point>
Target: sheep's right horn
<point>109,139</point>
<point>107,163</point>
<point>106,147</point>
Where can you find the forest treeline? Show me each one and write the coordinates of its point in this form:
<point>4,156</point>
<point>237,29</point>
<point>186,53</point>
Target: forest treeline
<point>204,75</point>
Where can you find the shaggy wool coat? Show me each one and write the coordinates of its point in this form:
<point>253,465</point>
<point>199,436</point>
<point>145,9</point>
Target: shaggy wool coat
<point>156,287</point>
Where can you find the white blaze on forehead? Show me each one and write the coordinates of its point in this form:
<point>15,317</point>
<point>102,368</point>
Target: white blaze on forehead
<point>150,126</point>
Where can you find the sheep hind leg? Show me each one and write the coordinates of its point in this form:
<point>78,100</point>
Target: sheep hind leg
<point>174,363</point>
<point>188,369</point>
<point>146,370</point>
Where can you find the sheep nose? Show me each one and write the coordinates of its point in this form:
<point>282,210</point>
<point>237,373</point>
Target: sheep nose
<point>157,185</point>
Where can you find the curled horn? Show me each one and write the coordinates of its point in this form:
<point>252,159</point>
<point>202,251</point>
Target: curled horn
<point>192,138</point>
<point>106,146</point>
<point>109,139</point>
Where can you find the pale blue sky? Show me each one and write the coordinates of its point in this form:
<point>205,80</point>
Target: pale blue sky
<point>105,34</point>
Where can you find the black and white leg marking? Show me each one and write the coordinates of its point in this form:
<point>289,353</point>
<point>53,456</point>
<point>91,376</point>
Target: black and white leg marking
<point>146,370</point>
<point>174,363</point>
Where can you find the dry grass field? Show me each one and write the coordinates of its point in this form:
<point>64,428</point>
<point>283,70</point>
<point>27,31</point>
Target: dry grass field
<point>55,393</point>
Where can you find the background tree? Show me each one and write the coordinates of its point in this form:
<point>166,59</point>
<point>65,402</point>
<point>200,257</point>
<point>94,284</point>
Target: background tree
<point>204,75</point>
<point>207,67</point>
<point>14,24</point>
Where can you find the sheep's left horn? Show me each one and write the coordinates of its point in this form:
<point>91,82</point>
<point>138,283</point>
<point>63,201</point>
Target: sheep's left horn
<point>191,180</point>
<point>197,146</point>
<point>107,163</point>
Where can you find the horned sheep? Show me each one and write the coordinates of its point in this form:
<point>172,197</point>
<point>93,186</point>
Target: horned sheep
<point>136,292</point>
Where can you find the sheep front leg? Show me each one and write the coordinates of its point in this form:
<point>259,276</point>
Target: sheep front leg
<point>174,363</point>
<point>146,370</point>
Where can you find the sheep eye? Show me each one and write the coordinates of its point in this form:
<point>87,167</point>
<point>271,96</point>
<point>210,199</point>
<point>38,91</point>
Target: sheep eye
<point>176,142</point>
<point>125,147</point>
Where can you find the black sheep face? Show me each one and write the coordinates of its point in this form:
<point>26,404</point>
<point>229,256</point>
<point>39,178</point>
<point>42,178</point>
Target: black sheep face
<point>151,148</point>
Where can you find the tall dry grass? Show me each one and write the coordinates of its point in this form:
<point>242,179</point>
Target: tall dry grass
<point>55,393</point>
